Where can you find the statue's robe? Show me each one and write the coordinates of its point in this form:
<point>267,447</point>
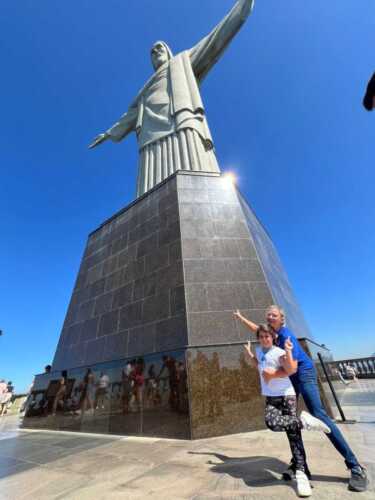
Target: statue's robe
<point>168,114</point>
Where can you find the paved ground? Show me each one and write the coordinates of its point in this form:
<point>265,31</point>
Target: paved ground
<point>47,465</point>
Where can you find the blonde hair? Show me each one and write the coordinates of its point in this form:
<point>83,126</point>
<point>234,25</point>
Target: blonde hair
<point>280,310</point>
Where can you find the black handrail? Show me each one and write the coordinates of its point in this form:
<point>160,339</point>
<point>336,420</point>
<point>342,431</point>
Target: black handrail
<point>332,388</point>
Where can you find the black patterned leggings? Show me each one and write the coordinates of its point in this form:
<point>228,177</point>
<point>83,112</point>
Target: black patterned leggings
<point>281,416</point>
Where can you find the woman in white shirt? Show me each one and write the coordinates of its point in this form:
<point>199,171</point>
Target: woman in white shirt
<point>281,402</point>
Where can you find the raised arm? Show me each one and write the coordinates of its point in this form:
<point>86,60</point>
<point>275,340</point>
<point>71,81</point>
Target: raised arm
<point>252,358</point>
<point>209,50</point>
<point>253,327</point>
<point>118,131</point>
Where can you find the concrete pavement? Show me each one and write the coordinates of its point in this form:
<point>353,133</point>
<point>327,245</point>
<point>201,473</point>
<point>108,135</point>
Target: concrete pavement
<point>48,465</point>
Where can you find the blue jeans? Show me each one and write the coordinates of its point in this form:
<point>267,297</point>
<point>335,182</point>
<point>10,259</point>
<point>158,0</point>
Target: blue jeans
<point>307,386</point>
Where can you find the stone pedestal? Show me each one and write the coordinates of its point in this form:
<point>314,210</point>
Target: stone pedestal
<point>157,287</point>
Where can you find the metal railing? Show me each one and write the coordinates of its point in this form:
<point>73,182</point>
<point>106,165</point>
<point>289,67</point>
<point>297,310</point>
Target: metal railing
<point>363,367</point>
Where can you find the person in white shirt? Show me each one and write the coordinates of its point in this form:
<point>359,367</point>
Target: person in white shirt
<point>101,391</point>
<point>281,401</point>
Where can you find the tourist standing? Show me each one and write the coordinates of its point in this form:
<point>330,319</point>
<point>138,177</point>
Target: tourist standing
<point>305,383</point>
<point>61,392</point>
<point>101,391</point>
<point>281,400</point>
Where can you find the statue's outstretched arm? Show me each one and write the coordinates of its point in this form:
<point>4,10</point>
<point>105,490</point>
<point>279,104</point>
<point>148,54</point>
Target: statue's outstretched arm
<point>209,50</point>
<point>119,130</point>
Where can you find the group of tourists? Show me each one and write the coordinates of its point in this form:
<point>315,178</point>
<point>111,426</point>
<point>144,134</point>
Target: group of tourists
<point>286,372</point>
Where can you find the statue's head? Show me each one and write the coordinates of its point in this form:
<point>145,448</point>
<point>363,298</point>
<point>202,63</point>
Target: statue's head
<point>160,54</point>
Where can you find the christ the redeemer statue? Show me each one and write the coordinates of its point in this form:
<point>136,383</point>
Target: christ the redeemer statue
<point>168,115</point>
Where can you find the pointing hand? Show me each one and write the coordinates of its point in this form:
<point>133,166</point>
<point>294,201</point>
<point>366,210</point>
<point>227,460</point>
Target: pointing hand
<point>288,346</point>
<point>98,140</point>
<point>237,314</point>
<point>248,349</point>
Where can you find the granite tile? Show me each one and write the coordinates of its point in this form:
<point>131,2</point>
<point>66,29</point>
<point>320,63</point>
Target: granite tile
<point>261,294</point>
<point>89,329</point>
<point>243,270</point>
<point>195,211</point>
<point>134,271</point>
<point>119,244</point>
<point>191,248</point>
<point>94,351</point>
<point>72,334</point>
<point>86,310</point>
<point>131,315</point>
<point>96,288</point>
<point>148,246</point>
<point>197,229</point>
<point>169,234</point>
<point>227,228</point>
<point>157,259</point>
<point>156,307</point>
<point>170,277</point>
<point>177,300</point>
<point>171,334</point>
<point>193,196</point>
<point>246,248</point>
<point>116,346</point>
<point>108,323</point>
<point>123,296</point>
<point>110,265</point>
<point>175,252</point>
<point>222,196</point>
<point>127,256</point>
<point>212,327</point>
<point>205,271</point>
<point>229,296</point>
<point>142,340</point>
<point>103,304</point>
<point>114,280</point>
<point>196,297</point>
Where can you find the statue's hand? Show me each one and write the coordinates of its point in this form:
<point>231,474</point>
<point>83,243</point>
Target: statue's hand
<point>98,140</point>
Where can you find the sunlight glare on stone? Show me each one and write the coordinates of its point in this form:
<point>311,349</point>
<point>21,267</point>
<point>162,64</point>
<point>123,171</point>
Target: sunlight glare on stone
<point>229,179</point>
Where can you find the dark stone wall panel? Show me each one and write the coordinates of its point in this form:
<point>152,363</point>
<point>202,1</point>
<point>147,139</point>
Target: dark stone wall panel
<point>212,327</point>
<point>130,280</point>
<point>123,295</point>
<point>131,315</point>
<point>224,392</point>
<point>109,323</point>
<point>224,267</point>
<point>276,277</point>
<point>171,333</point>
<point>115,346</point>
<point>162,412</point>
<point>89,330</point>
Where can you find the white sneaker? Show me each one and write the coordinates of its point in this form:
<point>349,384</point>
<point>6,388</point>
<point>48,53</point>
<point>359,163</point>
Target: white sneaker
<point>311,423</point>
<point>303,484</point>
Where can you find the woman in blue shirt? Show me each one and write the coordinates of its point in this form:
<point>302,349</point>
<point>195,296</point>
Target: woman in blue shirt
<point>305,382</point>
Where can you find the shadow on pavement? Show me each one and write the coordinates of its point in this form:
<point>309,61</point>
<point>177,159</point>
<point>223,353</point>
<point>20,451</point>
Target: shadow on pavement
<point>258,471</point>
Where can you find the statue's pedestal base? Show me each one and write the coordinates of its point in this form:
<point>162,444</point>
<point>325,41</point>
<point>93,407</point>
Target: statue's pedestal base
<point>149,342</point>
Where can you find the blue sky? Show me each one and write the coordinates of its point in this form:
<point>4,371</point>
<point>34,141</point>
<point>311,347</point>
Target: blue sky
<point>289,124</point>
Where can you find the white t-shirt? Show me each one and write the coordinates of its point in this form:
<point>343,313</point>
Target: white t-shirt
<point>271,359</point>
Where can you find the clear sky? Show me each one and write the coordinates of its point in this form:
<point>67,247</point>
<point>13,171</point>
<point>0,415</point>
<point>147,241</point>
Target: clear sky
<point>284,107</point>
